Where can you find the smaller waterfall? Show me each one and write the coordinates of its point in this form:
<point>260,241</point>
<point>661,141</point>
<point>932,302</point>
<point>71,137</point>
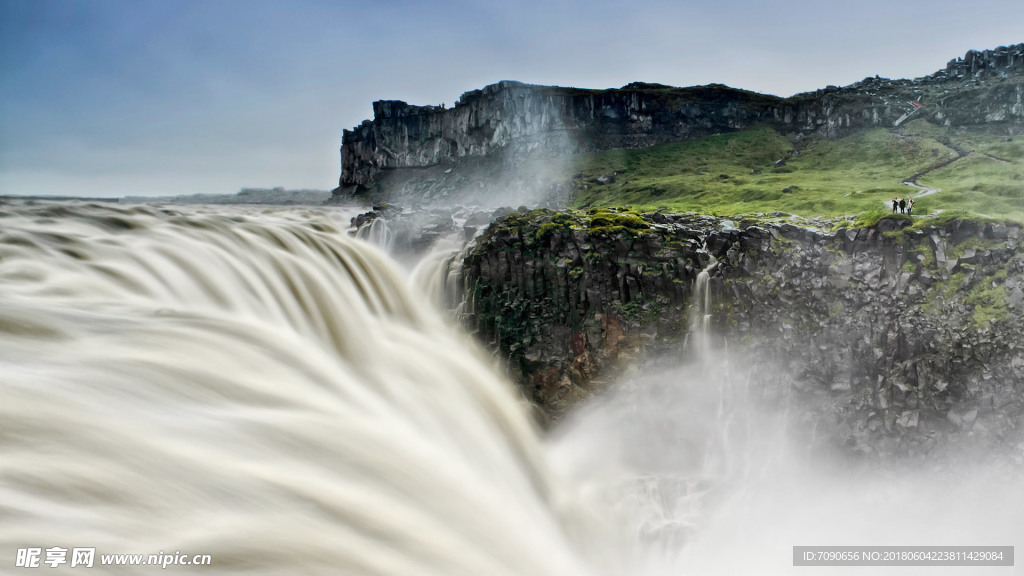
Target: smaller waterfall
<point>684,440</point>
<point>438,275</point>
<point>698,339</point>
<point>378,233</point>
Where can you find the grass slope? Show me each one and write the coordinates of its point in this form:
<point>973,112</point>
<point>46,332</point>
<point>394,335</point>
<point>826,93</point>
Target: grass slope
<point>735,174</point>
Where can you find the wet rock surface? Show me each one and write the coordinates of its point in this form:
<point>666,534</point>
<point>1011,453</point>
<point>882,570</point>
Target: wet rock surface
<point>903,337</point>
<point>411,232</point>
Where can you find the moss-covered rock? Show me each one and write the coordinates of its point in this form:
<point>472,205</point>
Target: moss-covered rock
<point>899,316</point>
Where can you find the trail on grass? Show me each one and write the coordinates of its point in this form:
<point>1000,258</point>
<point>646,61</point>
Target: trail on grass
<point>927,190</point>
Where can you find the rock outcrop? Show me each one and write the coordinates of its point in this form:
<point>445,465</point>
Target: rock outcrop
<point>506,135</point>
<point>985,64</point>
<point>907,335</point>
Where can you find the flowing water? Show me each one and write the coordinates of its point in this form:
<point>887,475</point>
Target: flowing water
<point>377,232</point>
<point>254,385</point>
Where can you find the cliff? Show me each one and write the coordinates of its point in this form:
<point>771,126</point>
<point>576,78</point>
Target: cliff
<point>428,152</point>
<point>904,335</point>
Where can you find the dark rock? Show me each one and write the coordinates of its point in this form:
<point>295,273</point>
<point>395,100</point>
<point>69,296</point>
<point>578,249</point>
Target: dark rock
<point>514,130</point>
<point>862,323</point>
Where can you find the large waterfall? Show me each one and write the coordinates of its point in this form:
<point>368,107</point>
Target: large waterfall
<point>256,386</point>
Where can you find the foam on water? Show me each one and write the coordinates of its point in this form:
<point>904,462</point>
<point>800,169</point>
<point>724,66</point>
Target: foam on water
<point>253,385</point>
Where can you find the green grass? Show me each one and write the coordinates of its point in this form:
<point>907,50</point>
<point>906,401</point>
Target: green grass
<point>857,175</point>
<point>989,299</point>
<point>981,185</point>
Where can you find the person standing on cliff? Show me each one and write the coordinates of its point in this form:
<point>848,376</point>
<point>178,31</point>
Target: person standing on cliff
<point>895,203</point>
<point>903,205</point>
<point>910,205</point>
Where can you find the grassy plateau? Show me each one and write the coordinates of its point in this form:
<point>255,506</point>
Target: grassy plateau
<point>959,172</point>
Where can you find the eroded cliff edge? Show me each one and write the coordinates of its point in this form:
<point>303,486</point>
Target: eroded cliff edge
<point>905,334</point>
<point>501,142</point>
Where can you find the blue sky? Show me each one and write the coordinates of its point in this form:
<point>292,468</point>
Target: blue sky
<point>115,97</point>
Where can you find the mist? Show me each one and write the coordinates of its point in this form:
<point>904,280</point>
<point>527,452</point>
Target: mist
<point>714,466</point>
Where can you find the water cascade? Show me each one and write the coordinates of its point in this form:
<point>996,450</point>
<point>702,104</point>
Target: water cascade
<point>253,385</point>
<point>378,233</point>
<point>438,275</point>
<point>698,339</point>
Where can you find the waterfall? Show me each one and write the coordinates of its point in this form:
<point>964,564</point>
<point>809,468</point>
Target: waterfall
<point>698,339</point>
<point>438,275</point>
<point>378,233</point>
<point>253,385</point>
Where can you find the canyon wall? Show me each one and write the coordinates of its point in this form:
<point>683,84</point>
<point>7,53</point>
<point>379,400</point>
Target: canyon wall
<point>904,335</point>
<point>429,152</point>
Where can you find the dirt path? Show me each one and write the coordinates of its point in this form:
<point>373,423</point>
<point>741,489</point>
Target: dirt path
<point>925,190</point>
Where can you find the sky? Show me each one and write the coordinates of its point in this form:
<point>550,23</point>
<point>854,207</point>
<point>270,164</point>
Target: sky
<point>165,97</point>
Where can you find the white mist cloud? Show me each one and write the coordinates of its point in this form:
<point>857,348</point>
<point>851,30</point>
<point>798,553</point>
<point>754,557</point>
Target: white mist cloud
<point>717,468</point>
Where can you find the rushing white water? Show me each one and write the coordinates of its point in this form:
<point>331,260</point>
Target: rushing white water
<point>438,275</point>
<point>698,339</point>
<point>253,385</point>
<point>377,232</point>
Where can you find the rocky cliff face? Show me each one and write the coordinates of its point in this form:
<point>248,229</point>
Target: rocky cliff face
<point>985,64</point>
<point>906,336</point>
<point>430,151</point>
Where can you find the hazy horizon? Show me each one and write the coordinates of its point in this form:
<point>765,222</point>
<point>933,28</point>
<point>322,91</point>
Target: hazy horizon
<point>166,98</point>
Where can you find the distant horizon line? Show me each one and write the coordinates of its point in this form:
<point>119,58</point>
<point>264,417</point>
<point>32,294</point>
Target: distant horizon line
<point>37,196</point>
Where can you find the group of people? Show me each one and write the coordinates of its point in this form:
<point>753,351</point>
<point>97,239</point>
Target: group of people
<point>906,205</point>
